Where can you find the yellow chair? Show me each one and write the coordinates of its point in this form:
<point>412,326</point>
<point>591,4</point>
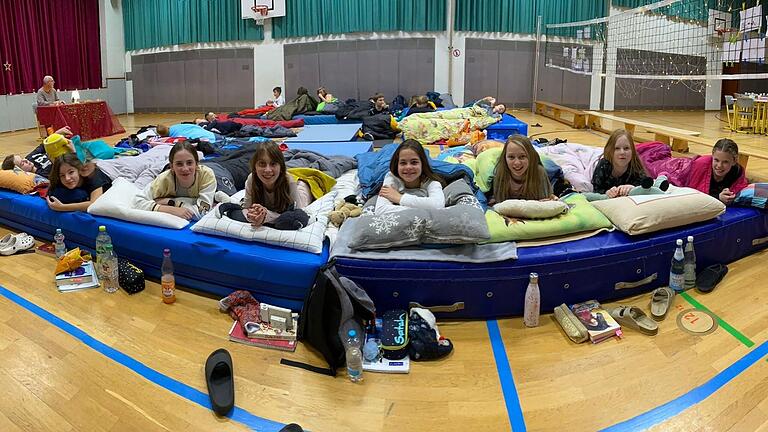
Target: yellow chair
<point>744,114</point>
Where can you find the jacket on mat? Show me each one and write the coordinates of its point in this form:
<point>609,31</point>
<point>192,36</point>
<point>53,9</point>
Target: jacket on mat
<point>301,104</point>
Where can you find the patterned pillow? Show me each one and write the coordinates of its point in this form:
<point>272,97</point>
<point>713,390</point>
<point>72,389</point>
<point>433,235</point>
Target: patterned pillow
<point>309,238</point>
<point>17,180</point>
<point>461,221</point>
<point>755,195</point>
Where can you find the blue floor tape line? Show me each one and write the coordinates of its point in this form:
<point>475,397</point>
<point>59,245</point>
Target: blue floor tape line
<point>511,399</point>
<point>238,414</point>
<point>676,406</point>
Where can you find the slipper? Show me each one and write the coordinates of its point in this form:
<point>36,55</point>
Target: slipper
<point>221,385</point>
<point>708,278</point>
<point>634,318</point>
<point>661,300</point>
<point>18,242</point>
<point>292,427</point>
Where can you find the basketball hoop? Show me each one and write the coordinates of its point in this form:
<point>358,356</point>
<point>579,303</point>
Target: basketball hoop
<point>262,10</point>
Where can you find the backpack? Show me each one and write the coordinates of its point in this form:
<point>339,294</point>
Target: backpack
<point>333,306</point>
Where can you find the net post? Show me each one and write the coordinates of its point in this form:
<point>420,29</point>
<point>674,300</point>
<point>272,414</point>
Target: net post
<point>536,65</point>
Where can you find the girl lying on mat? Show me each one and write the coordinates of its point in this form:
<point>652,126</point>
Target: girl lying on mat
<point>186,179</point>
<point>72,191</point>
<point>410,182</point>
<point>718,175</point>
<point>620,168</point>
<point>519,173</point>
<point>270,192</point>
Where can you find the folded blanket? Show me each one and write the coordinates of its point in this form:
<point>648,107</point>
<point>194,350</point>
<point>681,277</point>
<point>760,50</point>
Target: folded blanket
<point>319,182</point>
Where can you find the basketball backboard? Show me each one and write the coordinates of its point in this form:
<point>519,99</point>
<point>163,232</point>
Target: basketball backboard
<point>262,9</point>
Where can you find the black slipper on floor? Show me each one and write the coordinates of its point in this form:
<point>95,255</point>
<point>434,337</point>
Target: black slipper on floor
<point>293,427</point>
<point>708,278</point>
<point>221,384</point>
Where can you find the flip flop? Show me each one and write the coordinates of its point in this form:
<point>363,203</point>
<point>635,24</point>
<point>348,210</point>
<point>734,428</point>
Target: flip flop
<point>661,300</point>
<point>708,278</point>
<point>220,379</point>
<point>634,318</point>
<point>18,242</point>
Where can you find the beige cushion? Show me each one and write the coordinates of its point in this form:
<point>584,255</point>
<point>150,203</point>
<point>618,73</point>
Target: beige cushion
<point>648,213</point>
<point>531,209</point>
<point>17,180</point>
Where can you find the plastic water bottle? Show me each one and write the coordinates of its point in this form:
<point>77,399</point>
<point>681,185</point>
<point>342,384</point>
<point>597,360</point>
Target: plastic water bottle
<point>354,357</point>
<point>690,264</point>
<point>58,243</point>
<point>677,271</point>
<point>167,280</point>
<point>102,239</point>
<point>109,270</point>
<point>532,302</point>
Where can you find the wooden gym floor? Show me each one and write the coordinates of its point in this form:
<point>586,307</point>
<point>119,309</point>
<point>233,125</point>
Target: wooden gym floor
<point>55,381</point>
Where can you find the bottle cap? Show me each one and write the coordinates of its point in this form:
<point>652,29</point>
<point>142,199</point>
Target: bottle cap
<point>351,333</point>
<point>690,239</point>
<point>166,251</point>
<point>679,242</point>
<point>534,276</point>
<point>58,230</point>
<point>102,228</point>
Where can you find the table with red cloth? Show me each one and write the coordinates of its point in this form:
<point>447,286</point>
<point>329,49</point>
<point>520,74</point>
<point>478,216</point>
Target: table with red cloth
<point>90,120</point>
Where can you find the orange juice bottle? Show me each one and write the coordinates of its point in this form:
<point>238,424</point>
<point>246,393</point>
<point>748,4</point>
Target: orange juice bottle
<point>167,280</point>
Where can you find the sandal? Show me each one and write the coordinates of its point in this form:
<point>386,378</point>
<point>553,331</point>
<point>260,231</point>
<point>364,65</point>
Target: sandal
<point>634,318</point>
<point>708,279</point>
<point>571,325</point>
<point>16,243</point>
<point>661,301</point>
<point>220,380</point>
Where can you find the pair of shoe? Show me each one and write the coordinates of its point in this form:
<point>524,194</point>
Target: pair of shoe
<point>12,243</point>
<point>633,317</point>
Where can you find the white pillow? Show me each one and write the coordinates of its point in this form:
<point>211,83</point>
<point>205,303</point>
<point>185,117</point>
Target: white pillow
<point>530,209</point>
<point>309,238</point>
<point>347,184</point>
<point>117,202</point>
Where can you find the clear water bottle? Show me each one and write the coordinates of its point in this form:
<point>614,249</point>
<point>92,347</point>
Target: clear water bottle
<point>58,243</point>
<point>690,264</point>
<point>109,270</point>
<point>677,271</point>
<point>102,239</point>
<point>532,302</point>
<point>354,357</point>
<point>167,280</point>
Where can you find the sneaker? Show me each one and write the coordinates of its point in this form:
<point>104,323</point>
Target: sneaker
<point>368,137</point>
<point>221,196</point>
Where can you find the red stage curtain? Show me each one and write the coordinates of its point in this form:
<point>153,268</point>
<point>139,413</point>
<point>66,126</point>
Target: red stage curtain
<point>49,37</point>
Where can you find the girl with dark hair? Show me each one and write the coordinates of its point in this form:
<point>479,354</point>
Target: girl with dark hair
<point>720,174</point>
<point>269,190</point>
<point>410,181</point>
<point>71,191</point>
<point>186,179</point>
<point>620,168</point>
<point>519,173</point>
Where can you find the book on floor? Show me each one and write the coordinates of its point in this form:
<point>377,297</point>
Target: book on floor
<point>93,283</point>
<point>266,331</point>
<point>80,275</point>
<point>599,323</point>
<point>237,334</point>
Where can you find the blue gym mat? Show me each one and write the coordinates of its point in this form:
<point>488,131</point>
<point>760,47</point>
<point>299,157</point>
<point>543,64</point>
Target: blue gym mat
<point>350,148</point>
<point>327,133</point>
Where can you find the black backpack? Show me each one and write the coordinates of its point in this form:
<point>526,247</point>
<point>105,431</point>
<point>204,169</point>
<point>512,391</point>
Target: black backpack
<point>332,307</point>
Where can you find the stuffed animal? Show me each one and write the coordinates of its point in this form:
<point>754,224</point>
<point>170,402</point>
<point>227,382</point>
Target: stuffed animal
<point>344,210</point>
<point>648,187</point>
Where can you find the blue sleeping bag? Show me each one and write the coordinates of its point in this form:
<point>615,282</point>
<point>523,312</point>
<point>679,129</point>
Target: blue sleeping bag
<point>373,166</point>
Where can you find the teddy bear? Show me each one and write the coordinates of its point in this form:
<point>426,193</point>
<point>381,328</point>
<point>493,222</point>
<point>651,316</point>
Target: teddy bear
<point>648,186</point>
<point>344,209</point>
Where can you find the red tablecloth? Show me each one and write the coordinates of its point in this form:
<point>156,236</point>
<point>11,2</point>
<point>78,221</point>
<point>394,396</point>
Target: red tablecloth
<point>90,120</point>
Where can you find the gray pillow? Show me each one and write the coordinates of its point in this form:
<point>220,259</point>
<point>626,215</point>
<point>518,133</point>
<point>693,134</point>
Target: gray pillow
<point>462,221</point>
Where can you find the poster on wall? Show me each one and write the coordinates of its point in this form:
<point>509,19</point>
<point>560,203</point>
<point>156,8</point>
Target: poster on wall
<point>731,51</point>
<point>751,19</point>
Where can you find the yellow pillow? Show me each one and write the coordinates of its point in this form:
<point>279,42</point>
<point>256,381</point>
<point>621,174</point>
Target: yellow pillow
<point>17,180</point>
<point>56,145</point>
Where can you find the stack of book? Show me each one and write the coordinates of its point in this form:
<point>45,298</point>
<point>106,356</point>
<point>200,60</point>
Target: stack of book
<point>84,277</point>
<point>264,336</point>
<point>599,323</point>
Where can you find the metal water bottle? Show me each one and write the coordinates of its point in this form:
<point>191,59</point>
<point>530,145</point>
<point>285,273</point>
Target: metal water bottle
<point>532,302</point>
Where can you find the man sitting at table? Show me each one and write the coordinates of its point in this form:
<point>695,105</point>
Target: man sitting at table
<point>47,95</point>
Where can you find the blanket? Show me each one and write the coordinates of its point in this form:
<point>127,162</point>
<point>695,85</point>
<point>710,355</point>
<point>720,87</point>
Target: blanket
<point>319,182</point>
<point>373,166</point>
<point>275,131</point>
<point>301,104</point>
<point>442,125</point>
<point>139,170</point>
<point>577,162</point>
<point>261,122</point>
<point>334,166</point>
<point>657,160</point>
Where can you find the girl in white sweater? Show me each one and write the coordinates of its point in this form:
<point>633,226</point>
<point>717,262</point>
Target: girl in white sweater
<point>410,182</point>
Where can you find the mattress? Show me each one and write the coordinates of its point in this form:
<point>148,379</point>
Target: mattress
<point>509,125</point>
<point>321,119</point>
<point>212,264</point>
<point>604,267</point>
